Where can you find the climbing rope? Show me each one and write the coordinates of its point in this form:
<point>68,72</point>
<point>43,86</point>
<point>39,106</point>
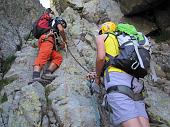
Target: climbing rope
<point>93,97</point>
<point>78,61</point>
<point>94,101</point>
<point>95,104</point>
<point>82,31</point>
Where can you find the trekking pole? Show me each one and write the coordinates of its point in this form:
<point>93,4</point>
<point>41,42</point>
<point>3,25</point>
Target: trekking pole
<point>94,104</point>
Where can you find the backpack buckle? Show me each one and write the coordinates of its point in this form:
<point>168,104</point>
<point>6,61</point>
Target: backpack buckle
<point>135,65</point>
<point>132,37</point>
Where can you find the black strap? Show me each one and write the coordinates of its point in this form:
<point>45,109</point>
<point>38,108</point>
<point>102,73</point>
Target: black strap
<point>107,75</point>
<point>106,66</point>
<point>125,90</point>
<point>132,82</point>
<point>110,56</point>
<point>110,62</point>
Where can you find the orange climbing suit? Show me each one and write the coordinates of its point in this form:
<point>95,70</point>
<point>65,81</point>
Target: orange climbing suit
<point>47,52</point>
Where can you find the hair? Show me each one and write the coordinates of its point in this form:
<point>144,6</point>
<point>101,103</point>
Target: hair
<point>48,10</point>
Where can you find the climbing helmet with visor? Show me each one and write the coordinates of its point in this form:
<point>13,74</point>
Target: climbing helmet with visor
<point>61,21</point>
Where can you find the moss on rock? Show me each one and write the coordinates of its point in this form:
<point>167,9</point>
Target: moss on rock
<point>7,64</point>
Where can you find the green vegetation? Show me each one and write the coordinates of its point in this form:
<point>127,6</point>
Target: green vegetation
<point>5,67</point>
<point>1,110</point>
<point>54,2</point>
<point>7,64</point>
<point>5,82</point>
<point>29,36</point>
<point>3,98</point>
<point>48,89</point>
<point>49,101</point>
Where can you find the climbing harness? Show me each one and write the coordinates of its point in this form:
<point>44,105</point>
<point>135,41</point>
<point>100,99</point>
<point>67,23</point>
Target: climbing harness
<point>125,90</point>
<point>57,39</point>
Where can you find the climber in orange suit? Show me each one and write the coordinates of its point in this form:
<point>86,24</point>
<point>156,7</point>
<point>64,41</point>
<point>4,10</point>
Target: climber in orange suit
<point>46,52</point>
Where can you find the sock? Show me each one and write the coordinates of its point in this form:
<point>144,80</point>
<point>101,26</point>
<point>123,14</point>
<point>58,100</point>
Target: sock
<point>48,72</point>
<point>36,74</point>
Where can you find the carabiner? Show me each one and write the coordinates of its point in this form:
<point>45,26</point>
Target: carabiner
<point>135,65</point>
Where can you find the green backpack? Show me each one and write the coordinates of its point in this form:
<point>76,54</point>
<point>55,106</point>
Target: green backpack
<point>130,30</point>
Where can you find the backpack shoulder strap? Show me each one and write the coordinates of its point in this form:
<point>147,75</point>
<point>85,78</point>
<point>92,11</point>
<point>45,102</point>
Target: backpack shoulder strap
<point>106,37</point>
<point>113,33</point>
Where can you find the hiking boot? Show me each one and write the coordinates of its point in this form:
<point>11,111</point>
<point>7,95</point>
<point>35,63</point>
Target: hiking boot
<point>48,76</point>
<point>34,80</point>
<point>35,77</point>
<point>44,82</point>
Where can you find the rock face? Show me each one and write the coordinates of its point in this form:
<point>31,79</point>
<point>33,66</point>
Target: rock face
<point>153,10</point>
<point>24,104</point>
<point>67,102</point>
<point>16,22</point>
<point>1,66</point>
<point>99,11</point>
<point>96,11</point>
<point>130,7</point>
<point>161,57</point>
<point>162,16</point>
